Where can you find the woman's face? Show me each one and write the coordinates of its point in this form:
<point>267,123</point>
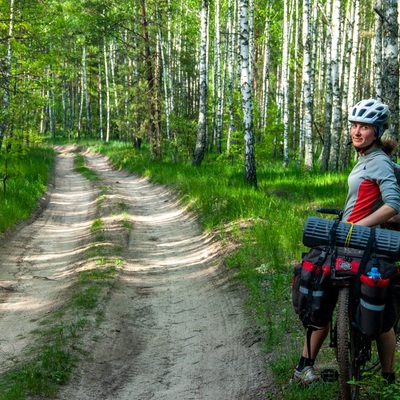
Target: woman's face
<point>362,134</point>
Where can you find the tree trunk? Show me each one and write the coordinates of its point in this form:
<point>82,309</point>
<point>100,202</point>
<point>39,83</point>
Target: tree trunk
<point>247,99</point>
<point>390,66</point>
<point>284,83</point>
<point>219,82</point>
<point>51,100</point>
<point>307,96</point>
<point>265,79</point>
<point>100,93</point>
<point>116,98</point>
<point>87,102</point>
<point>150,83</point>
<point>7,77</point>
<point>202,121</point>
<point>328,89</point>
<point>80,108</point>
<point>231,72</point>
<point>336,115</point>
<point>165,80</point>
<point>348,45</point>
<point>107,80</point>
<point>378,50</point>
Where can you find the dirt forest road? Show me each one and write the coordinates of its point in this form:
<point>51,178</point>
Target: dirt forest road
<point>173,325</point>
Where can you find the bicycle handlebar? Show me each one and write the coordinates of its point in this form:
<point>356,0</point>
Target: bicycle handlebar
<point>333,211</point>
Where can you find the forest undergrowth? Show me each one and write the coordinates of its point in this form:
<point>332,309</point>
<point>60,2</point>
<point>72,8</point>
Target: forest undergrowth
<point>265,224</point>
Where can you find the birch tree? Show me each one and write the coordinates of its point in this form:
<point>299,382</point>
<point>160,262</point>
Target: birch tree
<point>336,98</point>
<point>107,88</point>
<point>231,69</point>
<point>246,90</point>
<point>284,86</point>
<point>390,65</point>
<point>345,86</point>
<point>307,96</point>
<point>203,82</point>
<point>328,89</point>
<point>7,77</point>
<point>151,85</point>
<point>166,87</point>
<point>378,50</point>
<point>265,77</point>
<point>218,79</point>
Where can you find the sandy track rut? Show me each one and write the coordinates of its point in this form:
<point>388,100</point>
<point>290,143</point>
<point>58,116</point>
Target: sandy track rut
<point>173,327</point>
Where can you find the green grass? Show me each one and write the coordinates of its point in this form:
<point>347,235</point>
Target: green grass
<point>80,167</point>
<point>25,184</point>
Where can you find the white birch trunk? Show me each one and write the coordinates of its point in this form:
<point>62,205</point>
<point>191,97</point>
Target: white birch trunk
<point>231,71</point>
<point>354,55</point>
<point>246,90</point>
<point>114,86</point>
<point>7,77</point>
<point>219,86</point>
<point>336,104</point>
<point>80,109</point>
<point>378,51</point>
<point>284,86</point>
<point>295,105</point>
<point>307,95</point>
<point>51,103</point>
<point>106,75</point>
<point>166,93</point>
<point>100,92</point>
<point>251,44</point>
<point>346,59</point>
<point>327,61</point>
<point>86,91</point>
<point>390,64</point>
<point>265,78</point>
<point>202,120</point>
<point>169,65</point>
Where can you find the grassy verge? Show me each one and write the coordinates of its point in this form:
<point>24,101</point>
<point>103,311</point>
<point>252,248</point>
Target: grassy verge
<point>26,181</point>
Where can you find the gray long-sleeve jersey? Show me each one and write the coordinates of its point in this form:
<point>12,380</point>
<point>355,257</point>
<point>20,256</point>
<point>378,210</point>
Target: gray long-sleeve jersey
<point>372,183</point>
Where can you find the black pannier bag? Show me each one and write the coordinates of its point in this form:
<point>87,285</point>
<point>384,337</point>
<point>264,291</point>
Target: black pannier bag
<point>371,308</point>
<point>313,297</point>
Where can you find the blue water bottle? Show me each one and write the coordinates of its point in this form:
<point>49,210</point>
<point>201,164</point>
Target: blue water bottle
<point>374,273</point>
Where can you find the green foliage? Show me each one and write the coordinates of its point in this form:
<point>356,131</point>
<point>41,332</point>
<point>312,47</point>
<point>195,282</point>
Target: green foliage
<point>375,387</point>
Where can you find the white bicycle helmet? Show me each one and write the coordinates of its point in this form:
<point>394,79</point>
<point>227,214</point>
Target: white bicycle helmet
<point>372,112</point>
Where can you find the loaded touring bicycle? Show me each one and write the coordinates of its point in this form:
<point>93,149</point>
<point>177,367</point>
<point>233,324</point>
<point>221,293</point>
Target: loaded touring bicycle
<point>354,268</point>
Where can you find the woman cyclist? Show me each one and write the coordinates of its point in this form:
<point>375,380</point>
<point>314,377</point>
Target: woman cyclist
<point>373,199</point>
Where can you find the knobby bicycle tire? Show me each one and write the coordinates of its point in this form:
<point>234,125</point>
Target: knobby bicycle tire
<point>346,345</point>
